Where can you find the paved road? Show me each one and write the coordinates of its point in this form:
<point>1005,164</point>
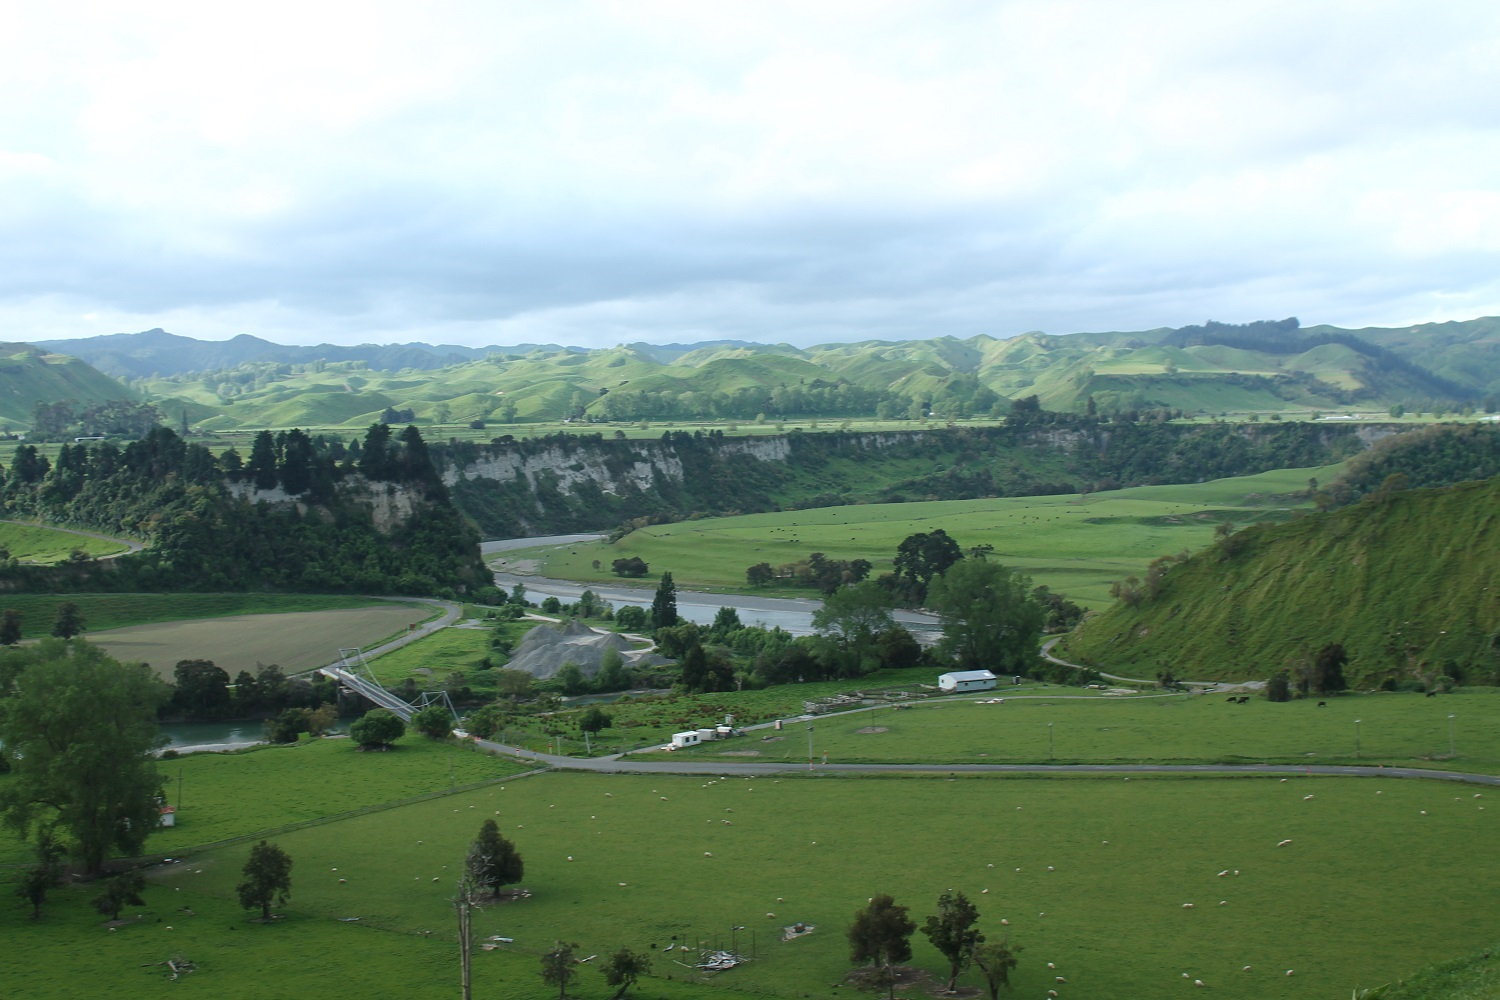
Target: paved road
<point>618,765</point>
<point>451,613</point>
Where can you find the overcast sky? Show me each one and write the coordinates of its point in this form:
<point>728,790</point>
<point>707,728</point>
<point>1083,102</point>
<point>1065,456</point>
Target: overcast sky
<point>593,173</point>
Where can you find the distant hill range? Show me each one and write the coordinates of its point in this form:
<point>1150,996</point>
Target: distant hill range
<point>1268,366</point>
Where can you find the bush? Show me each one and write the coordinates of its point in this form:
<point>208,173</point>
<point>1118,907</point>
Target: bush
<point>377,728</point>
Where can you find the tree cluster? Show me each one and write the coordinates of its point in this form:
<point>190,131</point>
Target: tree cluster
<point>204,537</point>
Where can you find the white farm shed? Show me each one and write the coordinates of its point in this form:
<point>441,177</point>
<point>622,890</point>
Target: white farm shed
<point>966,680</point>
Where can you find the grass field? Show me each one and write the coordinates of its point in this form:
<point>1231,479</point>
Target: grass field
<point>1077,545</point>
<point>294,641</point>
<point>1090,874</point>
<point>30,543</point>
<point>1038,726</point>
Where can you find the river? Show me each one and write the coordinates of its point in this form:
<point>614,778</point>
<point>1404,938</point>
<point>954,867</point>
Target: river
<point>789,613</point>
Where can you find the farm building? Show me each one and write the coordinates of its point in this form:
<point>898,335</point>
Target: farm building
<point>966,680</point>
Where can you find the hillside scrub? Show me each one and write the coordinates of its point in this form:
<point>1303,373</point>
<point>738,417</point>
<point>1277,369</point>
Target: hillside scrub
<point>1405,580</point>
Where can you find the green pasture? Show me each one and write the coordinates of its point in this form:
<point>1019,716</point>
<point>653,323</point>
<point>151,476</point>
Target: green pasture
<point>1090,875</point>
<point>32,543</point>
<point>1036,727</point>
<point>432,659</point>
<point>108,611</point>
<point>1076,544</point>
<point>223,795</point>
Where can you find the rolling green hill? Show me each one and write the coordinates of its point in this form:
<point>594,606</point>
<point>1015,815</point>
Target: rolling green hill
<point>30,375</point>
<point>1406,580</point>
<point>1215,368</point>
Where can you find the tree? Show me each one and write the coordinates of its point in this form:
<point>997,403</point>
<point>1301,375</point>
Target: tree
<point>1328,669</point>
<point>854,616</point>
<point>79,729</point>
<point>116,893</point>
<point>922,556</point>
<point>664,604</point>
<point>69,621</point>
<point>1279,687</point>
<point>42,877</point>
<point>631,618</point>
<point>262,467</point>
<point>492,861</point>
<point>268,879</point>
<point>594,720</point>
<point>952,932</point>
<point>10,627</point>
<point>379,727</point>
<point>433,722</point>
<point>726,620</point>
<point>990,619</point>
<point>760,574</point>
<point>558,967</point>
<point>289,725</point>
<point>623,968</point>
<point>612,675</point>
<point>202,689</point>
<point>630,566</point>
<point>881,935</point>
<point>995,959</point>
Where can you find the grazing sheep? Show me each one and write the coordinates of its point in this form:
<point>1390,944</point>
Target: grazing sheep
<point>1284,843</point>
<point>1187,906</point>
<point>1307,796</point>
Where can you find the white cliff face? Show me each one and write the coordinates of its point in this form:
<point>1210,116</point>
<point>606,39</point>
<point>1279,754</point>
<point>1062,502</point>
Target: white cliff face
<point>390,503</point>
<point>613,465</point>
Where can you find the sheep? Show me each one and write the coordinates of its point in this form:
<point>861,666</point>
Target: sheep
<point>1284,842</point>
<point>1051,965</point>
<point>1291,972</point>
<point>1199,982</point>
<point>1187,906</point>
<point>1060,979</point>
<point>1307,797</point>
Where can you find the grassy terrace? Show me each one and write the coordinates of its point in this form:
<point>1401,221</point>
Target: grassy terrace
<point>1077,545</point>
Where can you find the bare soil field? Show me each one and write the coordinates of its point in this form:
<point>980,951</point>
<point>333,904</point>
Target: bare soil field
<point>295,642</point>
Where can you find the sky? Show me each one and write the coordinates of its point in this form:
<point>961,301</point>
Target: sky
<point>592,173</point>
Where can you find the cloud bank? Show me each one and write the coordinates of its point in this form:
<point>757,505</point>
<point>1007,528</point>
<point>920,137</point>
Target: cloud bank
<point>599,172</point>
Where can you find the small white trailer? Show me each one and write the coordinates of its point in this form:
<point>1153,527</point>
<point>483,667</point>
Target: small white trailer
<point>966,680</point>
<point>681,741</point>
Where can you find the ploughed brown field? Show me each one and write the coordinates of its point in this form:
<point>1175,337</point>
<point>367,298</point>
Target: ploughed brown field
<point>295,642</point>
